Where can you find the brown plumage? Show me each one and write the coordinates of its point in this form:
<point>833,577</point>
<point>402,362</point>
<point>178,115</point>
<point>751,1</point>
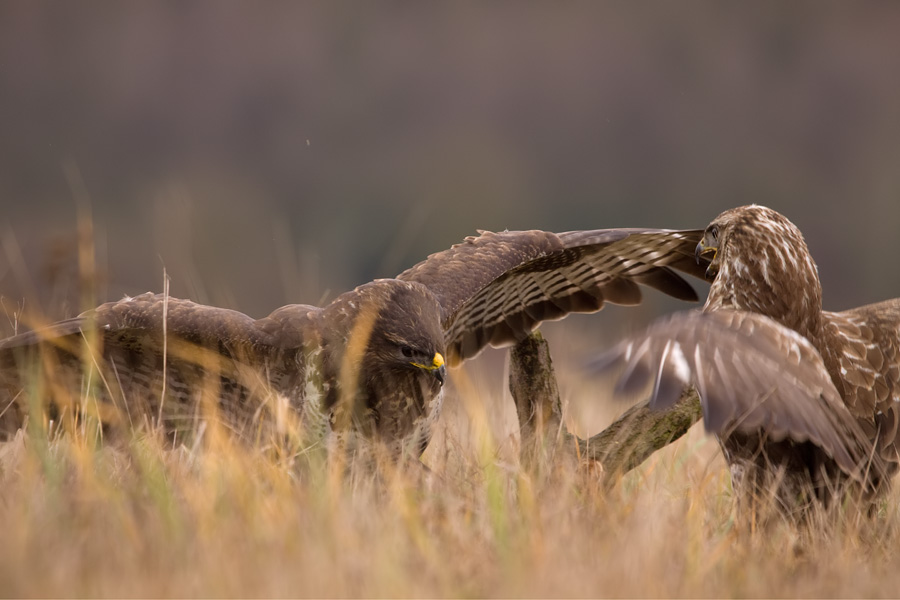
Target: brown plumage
<point>372,360</point>
<point>803,400</point>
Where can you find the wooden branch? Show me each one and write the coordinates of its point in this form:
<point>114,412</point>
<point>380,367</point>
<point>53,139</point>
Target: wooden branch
<point>639,432</point>
<point>625,444</point>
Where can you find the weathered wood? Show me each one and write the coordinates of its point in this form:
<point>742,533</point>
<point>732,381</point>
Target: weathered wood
<point>639,432</point>
<point>625,444</point>
<point>532,383</point>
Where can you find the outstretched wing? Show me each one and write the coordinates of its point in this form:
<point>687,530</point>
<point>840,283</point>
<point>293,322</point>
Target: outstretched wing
<point>132,342</point>
<point>497,287</point>
<point>154,319</point>
<point>751,373</point>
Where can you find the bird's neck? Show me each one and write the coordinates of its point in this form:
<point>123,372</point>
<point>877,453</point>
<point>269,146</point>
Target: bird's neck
<point>787,291</point>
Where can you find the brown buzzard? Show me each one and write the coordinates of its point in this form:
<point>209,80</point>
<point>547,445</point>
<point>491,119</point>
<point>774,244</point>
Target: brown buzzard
<point>802,400</point>
<point>373,360</point>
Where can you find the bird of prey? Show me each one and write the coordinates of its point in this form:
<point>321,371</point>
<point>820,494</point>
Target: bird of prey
<point>803,401</point>
<point>372,361</point>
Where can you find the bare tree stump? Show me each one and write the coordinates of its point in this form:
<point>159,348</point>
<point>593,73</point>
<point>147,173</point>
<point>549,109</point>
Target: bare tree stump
<point>625,444</point>
<point>532,383</point>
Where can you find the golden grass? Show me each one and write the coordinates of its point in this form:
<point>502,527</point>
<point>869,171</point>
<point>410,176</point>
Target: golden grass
<point>140,519</point>
<point>225,520</point>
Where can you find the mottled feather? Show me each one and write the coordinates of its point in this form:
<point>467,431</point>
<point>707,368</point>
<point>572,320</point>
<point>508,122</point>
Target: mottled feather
<point>799,397</point>
<point>370,361</point>
<point>494,289</point>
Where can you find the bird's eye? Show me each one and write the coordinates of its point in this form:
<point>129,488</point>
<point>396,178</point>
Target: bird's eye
<point>714,232</point>
<point>406,351</point>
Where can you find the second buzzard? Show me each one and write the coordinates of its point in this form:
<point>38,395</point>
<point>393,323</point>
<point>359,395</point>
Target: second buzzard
<point>804,401</point>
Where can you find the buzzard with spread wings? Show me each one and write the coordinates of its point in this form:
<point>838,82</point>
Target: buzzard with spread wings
<point>803,401</point>
<point>373,360</point>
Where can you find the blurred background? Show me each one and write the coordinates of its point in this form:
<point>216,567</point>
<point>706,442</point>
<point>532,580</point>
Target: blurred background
<point>266,153</point>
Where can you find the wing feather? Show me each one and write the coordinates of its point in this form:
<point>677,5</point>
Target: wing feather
<point>865,345</point>
<point>497,287</point>
<point>244,356</point>
<point>752,373</point>
<point>862,349</point>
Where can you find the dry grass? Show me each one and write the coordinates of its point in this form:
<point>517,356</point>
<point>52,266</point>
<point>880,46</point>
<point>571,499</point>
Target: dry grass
<point>140,519</point>
<point>224,520</point>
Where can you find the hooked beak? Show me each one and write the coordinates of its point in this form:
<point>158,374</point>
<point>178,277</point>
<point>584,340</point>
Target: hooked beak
<point>705,248</point>
<point>437,367</point>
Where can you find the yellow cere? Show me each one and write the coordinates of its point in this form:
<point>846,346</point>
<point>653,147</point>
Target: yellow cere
<point>436,363</point>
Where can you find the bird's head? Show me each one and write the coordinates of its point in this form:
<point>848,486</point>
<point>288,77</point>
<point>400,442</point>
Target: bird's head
<point>389,344</point>
<point>407,335</point>
<point>386,351</point>
<point>760,262</point>
<point>708,247</point>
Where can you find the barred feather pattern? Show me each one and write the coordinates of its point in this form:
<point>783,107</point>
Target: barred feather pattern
<point>805,402</point>
<point>370,362</point>
<point>543,276</point>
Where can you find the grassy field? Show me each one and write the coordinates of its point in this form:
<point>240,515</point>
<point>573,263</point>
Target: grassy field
<point>226,520</point>
<point>223,519</point>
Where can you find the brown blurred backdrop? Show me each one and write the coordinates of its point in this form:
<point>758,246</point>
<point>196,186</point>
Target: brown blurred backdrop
<point>266,153</point>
